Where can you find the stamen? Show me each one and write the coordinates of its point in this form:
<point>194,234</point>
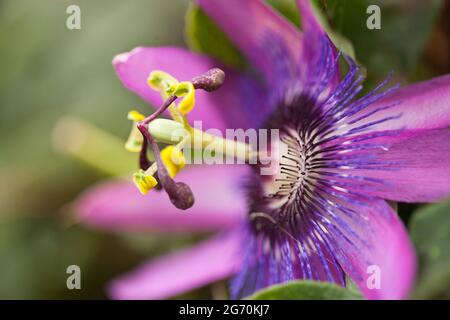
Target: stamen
<point>179,193</point>
<point>186,90</point>
<point>144,182</point>
<point>135,139</point>
<point>161,81</point>
<point>171,160</point>
<point>141,125</point>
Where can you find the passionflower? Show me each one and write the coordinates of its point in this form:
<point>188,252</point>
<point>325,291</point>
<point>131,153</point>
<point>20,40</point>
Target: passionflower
<point>324,214</point>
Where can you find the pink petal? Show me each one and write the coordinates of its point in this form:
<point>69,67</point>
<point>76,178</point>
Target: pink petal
<point>118,205</point>
<point>177,273</point>
<point>423,105</point>
<point>416,166</point>
<point>271,43</point>
<point>387,250</point>
<point>222,109</point>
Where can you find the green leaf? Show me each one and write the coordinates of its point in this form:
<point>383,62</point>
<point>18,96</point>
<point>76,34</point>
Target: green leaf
<point>204,36</point>
<point>341,42</point>
<point>288,9</point>
<point>430,232</point>
<point>405,28</point>
<point>306,290</point>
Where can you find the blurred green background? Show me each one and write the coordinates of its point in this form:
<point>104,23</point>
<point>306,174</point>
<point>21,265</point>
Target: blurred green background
<point>48,71</point>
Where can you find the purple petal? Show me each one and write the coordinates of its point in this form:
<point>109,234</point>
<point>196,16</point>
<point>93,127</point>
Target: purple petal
<point>380,247</point>
<point>118,205</point>
<point>285,254</point>
<point>222,109</point>
<point>182,271</point>
<point>338,235</point>
<point>413,166</point>
<point>271,43</point>
<point>424,105</point>
<point>318,50</point>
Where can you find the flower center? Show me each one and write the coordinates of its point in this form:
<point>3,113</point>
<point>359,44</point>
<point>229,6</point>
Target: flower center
<point>293,182</point>
<point>302,160</point>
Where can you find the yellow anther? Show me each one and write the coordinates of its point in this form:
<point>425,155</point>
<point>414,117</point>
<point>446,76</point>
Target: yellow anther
<point>161,81</point>
<point>135,138</point>
<point>144,182</point>
<point>187,91</point>
<point>135,116</point>
<point>168,85</point>
<point>173,160</point>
